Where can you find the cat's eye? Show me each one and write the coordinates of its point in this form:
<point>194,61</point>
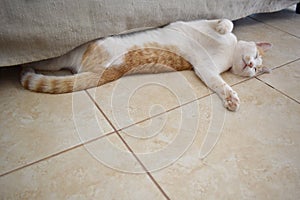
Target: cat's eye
<point>256,55</point>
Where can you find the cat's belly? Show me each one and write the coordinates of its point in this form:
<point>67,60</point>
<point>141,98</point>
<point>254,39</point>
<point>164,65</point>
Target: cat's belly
<point>150,58</point>
<point>153,58</point>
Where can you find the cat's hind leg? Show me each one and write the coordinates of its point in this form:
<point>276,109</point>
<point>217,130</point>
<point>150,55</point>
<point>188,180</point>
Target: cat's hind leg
<point>70,61</point>
<point>53,64</point>
<point>224,26</point>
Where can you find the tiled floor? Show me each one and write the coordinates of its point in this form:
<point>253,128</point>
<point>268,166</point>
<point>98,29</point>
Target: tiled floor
<point>151,136</point>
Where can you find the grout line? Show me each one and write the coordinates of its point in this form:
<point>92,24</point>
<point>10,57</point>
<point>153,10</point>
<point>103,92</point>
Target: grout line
<point>40,160</point>
<point>290,62</point>
<point>97,138</point>
<point>191,101</point>
<point>101,111</point>
<point>165,112</point>
<point>277,90</point>
<point>171,109</point>
<point>143,166</point>
<point>261,21</point>
<point>280,66</point>
<point>188,102</point>
<point>184,104</point>
<point>128,147</point>
<point>55,154</point>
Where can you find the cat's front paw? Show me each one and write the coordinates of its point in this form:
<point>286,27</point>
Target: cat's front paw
<point>232,101</point>
<point>224,26</point>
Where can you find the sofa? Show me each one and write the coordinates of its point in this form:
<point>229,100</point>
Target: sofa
<point>37,30</point>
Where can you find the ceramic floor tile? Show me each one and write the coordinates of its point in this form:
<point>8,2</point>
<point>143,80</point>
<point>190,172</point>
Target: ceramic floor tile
<point>285,46</point>
<point>160,141</point>
<point>135,98</point>
<point>285,20</point>
<point>256,157</point>
<point>112,153</point>
<point>35,125</point>
<point>149,130</point>
<point>76,174</point>
<point>286,79</point>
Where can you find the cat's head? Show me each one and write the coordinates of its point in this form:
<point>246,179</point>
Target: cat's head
<point>247,59</point>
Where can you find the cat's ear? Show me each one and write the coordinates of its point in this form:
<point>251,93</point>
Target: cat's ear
<point>264,46</point>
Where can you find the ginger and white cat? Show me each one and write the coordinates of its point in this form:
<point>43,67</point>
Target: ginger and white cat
<point>206,46</point>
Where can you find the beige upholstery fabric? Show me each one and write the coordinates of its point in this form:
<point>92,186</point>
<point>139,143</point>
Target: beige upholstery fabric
<point>34,30</point>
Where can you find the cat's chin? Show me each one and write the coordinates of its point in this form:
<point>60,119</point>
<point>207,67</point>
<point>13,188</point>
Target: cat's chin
<point>249,73</point>
<point>241,71</point>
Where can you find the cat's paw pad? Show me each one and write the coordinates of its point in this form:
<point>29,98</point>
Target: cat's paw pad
<point>224,26</point>
<point>232,101</point>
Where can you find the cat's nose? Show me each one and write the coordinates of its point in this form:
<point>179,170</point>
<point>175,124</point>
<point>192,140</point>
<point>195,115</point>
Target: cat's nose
<point>250,64</point>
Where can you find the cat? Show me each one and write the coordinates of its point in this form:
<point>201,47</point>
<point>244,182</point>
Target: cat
<point>206,46</point>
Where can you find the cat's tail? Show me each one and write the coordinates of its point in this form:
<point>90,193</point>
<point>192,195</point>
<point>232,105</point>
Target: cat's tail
<point>58,84</point>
